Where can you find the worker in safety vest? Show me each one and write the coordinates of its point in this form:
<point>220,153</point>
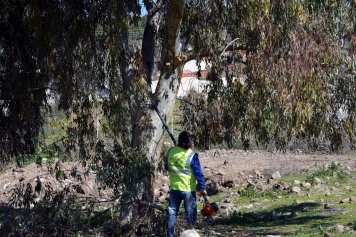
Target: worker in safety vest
<point>185,174</point>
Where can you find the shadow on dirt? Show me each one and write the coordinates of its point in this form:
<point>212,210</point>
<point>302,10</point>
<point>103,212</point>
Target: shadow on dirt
<point>276,222</point>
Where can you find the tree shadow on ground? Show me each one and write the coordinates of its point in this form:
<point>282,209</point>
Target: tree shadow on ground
<point>284,220</point>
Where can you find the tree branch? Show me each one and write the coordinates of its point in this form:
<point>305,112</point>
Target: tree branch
<point>229,47</point>
<point>153,205</point>
<point>171,40</point>
<point>149,43</point>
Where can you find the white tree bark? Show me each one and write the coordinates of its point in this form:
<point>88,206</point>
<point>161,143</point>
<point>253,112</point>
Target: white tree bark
<point>148,131</point>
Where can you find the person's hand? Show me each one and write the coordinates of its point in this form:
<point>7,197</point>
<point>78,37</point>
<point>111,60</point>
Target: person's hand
<point>203,193</point>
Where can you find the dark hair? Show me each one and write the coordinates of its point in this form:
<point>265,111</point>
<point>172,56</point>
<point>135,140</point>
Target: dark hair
<point>185,140</point>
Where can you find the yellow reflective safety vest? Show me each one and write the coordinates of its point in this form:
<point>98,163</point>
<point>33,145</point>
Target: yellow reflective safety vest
<point>181,173</point>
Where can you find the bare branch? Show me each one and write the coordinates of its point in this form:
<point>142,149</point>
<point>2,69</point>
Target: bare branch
<point>230,47</point>
<point>153,205</point>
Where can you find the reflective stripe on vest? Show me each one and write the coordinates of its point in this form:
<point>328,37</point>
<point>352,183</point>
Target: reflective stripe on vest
<point>187,170</point>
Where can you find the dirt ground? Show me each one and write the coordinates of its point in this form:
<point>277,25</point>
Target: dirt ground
<point>236,165</point>
<point>233,163</point>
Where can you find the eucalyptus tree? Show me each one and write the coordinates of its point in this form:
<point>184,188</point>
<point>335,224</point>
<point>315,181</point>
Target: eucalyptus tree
<point>292,71</point>
<point>292,80</point>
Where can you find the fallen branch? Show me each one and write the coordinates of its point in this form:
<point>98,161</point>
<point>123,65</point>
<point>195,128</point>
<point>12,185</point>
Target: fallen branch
<point>153,205</point>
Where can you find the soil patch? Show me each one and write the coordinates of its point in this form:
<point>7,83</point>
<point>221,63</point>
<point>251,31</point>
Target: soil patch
<point>218,164</point>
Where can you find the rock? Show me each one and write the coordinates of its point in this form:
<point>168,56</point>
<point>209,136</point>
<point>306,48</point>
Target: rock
<point>327,235</point>
<point>347,187</point>
<point>164,189</point>
<point>226,205</point>
<point>249,206</point>
<point>6,185</point>
<point>352,199</point>
<point>345,200</point>
<point>162,199</point>
<point>222,173</point>
<point>258,174</point>
<point>157,192</point>
<point>235,209</point>
<point>282,186</point>
<point>317,186</point>
<point>297,182</point>
<point>190,233</point>
<point>333,188</point>
<point>306,185</point>
<point>257,204</point>
<point>66,181</point>
<point>339,228</point>
<point>327,206</point>
<point>261,187</point>
<point>250,182</point>
<point>164,179</point>
<point>222,189</point>
<point>299,151</point>
<point>228,200</point>
<point>296,189</point>
<point>317,180</point>
<point>276,175</point>
<point>20,170</point>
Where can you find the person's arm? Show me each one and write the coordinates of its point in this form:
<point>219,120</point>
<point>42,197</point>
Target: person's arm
<point>198,172</point>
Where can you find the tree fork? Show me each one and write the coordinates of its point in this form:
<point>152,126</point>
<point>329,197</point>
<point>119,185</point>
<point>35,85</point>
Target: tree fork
<point>151,135</point>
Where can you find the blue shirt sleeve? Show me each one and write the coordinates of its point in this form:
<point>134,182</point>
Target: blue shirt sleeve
<point>198,172</point>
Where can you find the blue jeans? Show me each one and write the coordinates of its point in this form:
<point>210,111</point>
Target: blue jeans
<point>190,206</point>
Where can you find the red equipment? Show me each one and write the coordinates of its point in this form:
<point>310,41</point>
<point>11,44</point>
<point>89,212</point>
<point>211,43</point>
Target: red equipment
<point>209,209</point>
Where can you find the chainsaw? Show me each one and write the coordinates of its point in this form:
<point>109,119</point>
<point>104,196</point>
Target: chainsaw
<point>209,209</point>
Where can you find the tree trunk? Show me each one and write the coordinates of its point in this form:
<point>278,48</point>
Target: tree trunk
<point>148,131</point>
